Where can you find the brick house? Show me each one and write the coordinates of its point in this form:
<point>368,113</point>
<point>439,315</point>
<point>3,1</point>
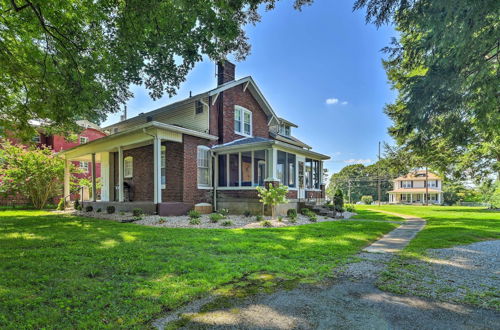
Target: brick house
<point>58,143</point>
<point>214,147</point>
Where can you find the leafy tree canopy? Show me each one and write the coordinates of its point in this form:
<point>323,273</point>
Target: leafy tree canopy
<point>445,66</point>
<point>64,60</point>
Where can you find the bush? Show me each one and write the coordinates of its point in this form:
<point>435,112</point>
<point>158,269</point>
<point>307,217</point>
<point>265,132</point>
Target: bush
<point>193,214</point>
<point>367,199</point>
<point>273,196</point>
<point>266,223</point>
<point>227,223</point>
<point>137,212</point>
<point>122,213</point>
<point>338,200</point>
<point>259,218</point>
<point>76,204</point>
<point>137,218</point>
<point>312,217</point>
<point>224,212</point>
<point>89,208</point>
<point>162,220</point>
<point>79,207</point>
<point>292,219</point>
<point>110,209</point>
<point>291,213</point>
<point>194,221</point>
<point>247,213</point>
<point>215,217</point>
<point>61,205</point>
<point>280,218</point>
<point>99,210</point>
<point>305,211</point>
<point>350,208</point>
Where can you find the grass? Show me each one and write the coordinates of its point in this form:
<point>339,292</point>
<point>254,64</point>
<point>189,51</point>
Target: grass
<point>447,226</point>
<point>74,272</point>
<point>363,213</point>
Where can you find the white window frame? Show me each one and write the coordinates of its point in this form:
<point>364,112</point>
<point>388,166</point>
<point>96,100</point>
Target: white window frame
<point>206,150</point>
<point>163,164</point>
<point>406,184</point>
<point>83,139</point>
<point>84,166</point>
<point>128,167</point>
<point>242,111</point>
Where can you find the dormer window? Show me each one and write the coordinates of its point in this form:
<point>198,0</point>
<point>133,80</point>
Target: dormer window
<point>242,121</point>
<point>285,130</point>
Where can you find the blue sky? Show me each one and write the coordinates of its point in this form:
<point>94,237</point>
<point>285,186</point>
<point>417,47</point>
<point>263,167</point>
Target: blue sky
<point>319,68</point>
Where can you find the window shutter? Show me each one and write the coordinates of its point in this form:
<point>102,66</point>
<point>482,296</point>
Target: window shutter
<point>412,183</point>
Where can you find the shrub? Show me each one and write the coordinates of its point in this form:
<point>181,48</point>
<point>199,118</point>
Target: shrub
<point>79,207</point>
<point>259,218</point>
<point>292,219</point>
<point>61,205</point>
<point>194,221</point>
<point>247,213</point>
<point>215,217</point>
<point>305,211</point>
<point>137,212</point>
<point>122,213</point>
<point>110,209</point>
<point>224,212</point>
<point>137,218</point>
<point>338,200</point>
<point>350,208</point>
<point>312,217</point>
<point>291,213</point>
<point>76,204</point>
<point>193,214</point>
<point>227,223</point>
<point>280,218</point>
<point>273,196</point>
<point>89,208</point>
<point>162,220</point>
<point>367,199</point>
<point>266,223</point>
<point>99,210</point>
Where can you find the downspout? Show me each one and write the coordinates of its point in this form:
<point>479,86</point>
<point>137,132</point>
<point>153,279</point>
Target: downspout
<point>214,184</point>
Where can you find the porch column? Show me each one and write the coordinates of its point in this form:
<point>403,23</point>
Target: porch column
<point>94,185</point>
<point>272,156</point>
<point>157,170</point>
<point>120,175</point>
<point>66,190</point>
<point>439,198</point>
<point>411,198</point>
<point>105,177</point>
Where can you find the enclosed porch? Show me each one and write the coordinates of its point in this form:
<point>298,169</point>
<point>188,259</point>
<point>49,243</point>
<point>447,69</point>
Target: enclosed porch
<point>415,197</point>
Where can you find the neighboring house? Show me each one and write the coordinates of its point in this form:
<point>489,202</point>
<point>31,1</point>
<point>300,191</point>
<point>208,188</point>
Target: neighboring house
<point>417,188</point>
<point>57,143</point>
<point>214,147</point>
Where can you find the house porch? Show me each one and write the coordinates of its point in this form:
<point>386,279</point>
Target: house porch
<point>415,198</point>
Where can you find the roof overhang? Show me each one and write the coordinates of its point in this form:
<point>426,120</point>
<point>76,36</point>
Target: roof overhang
<point>139,135</point>
<point>289,123</point>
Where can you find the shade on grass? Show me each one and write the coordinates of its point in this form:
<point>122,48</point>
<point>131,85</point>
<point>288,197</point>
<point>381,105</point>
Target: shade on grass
<point>61,271</point>
<point>362,213</point>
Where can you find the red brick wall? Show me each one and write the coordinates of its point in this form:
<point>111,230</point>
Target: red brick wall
<point>191,193</point>
<point>313,194</point>
<point>143,176</point>
<point>174,172</point>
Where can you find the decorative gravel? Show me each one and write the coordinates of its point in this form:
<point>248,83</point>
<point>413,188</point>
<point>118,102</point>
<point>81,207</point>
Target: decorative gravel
<point>237,221</point>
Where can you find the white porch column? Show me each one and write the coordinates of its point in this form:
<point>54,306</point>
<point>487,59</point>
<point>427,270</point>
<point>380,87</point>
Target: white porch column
<point>105,175</point>
<point>439,198</point>
<point>272,156</point>
<point>94,185</point>
<point>120,175</point>
<point>411,198</point>
<point>157,170</point>
<point>67,174</point>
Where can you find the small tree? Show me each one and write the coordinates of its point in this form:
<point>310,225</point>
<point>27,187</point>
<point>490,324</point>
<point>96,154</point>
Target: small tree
<point>367,199</point>
<point>32,172</point>
<point>338,201</point>
<point>273,196</point>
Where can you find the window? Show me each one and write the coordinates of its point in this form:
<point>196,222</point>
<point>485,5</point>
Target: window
<point>203,166</point>
<point>163,166</point>
<point>234,179</point>
<point>406,184</point>
<point>235,170</point>
<point>128,167</point>
<point>312,174</point>
<point>259,167</point>
<point>242,121</point>
<point>284,130</point>
<point>285,169</point>
<point>198,107</point>
<point>84,139</point>
<point>433,184</point>
<point>36,139</point>
<point>84,166</point>
<point>222,170</point>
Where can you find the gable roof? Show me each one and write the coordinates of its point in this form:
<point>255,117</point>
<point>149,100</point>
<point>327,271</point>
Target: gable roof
<point>249,84</point>
<point>418,175</point>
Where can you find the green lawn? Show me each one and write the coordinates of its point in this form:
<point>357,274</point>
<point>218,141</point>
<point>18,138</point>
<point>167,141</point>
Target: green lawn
<point>66,272</point>
<point>363,213</point>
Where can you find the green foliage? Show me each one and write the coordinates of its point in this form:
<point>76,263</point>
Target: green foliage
<point>110,209</point>
<point>193,214</point>
<point>273,196</point>
<point>194,221</point>
<point>76,204</point>
<point>162,220</point>
<point>31,172</point>
<point>78,59</point>
<point>367,199</point>
<point>137,212</point>
<point>247,213</point>
<point>99,210</point>
<point>215,217</point>
<point>280,218</point>
<point>292,219</point>
<point>305,211</point>
<point>224,212</point>
<point>61,205</point>
<point>291,213</point>
<point>259,218</point>
<point>445,67</point>
<point>227,223</point>
<point>266,223</point>
<point>494,199</point>
<point>338,201</point>
<point>89,208</point>
<point>312,217</point>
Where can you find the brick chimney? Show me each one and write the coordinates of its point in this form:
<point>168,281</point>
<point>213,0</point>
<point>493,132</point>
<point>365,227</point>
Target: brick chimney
<point>225,72</point>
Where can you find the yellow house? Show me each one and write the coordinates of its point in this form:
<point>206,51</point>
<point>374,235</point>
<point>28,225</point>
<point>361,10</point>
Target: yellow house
<point>417,187</point>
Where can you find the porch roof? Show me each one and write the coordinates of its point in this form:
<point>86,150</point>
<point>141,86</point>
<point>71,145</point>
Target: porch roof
<point>136,136</point>
<point>256,142</point>
<point>414,190</point>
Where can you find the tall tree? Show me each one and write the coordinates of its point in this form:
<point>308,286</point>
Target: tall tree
<point>64,60</point>
<point>445,66</point>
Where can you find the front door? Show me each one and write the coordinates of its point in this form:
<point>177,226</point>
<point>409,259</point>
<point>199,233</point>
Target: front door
<point>302,191</point>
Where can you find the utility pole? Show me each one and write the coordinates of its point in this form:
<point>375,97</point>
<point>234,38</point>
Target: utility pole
<point>426,186</point>
<point>378,175</point>
<point>349,190</point>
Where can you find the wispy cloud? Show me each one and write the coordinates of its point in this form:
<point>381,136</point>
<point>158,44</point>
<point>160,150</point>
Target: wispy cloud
<point>358,161</point>
<point>332,101</point>
<point>344,103</point>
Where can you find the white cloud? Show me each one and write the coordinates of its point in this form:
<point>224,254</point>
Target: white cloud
<point>332,101</point>
<point>358,161</point>
<point>344,103</point>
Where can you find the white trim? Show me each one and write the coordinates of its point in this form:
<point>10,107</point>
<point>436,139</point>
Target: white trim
<point>243,111</point>
<point>84,138</point>
<point>126,174</point>
<point>209,184</point>
<point>120,175</point>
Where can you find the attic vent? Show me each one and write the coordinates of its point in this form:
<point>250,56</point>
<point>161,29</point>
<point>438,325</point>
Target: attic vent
<point>149,118</point>
<point>115,130</point>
